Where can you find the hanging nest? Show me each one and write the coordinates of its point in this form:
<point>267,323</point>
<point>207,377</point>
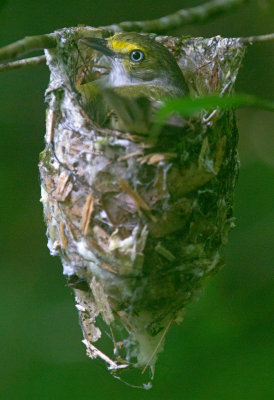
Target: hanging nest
<point>138,223</point>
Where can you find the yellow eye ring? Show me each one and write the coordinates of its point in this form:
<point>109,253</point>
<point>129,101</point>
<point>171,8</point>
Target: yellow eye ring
<point>136,55</point>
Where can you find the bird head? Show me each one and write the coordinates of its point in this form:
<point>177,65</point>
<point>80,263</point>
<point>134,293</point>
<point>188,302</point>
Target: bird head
<point>138,59</point>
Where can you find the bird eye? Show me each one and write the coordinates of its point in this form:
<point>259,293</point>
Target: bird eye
<point>136,55</point>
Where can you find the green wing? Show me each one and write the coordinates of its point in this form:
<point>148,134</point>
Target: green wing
<point>128,108</point>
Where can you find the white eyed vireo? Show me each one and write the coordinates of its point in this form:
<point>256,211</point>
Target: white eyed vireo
<point>141,71</point>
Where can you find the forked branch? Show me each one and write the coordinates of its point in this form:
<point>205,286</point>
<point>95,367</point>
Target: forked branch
<point>26,45</point>
<point>161,25</point>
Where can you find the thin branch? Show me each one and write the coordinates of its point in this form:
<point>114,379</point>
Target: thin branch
<point>26,45</point>
<point>23,63</point>
<point>179,18</point>
<point>259,38</point>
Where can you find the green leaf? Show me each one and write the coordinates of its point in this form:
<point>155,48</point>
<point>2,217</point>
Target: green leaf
<point>188,106</point>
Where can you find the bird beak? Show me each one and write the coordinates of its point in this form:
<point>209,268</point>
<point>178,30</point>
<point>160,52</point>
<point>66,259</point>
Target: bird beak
<point>99,45</point>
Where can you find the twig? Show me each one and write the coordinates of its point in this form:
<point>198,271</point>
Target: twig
<point>32,61</point>
<point>93,352</point>
<point>26,45</point>
<point>179,18</point>
<point>259,38</point>
<point>86,214</point>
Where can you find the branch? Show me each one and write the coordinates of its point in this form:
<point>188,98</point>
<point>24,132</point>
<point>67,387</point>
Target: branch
<point>179,18</point>
<point>259,38</point>
<point>172,21</point>
<point>26,45</point>
<point>23,63</point>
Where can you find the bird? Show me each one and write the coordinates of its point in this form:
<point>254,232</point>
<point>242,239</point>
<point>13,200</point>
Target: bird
<point>142,72</point>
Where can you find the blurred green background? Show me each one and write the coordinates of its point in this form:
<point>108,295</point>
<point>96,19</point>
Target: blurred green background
<point>225,347</point>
